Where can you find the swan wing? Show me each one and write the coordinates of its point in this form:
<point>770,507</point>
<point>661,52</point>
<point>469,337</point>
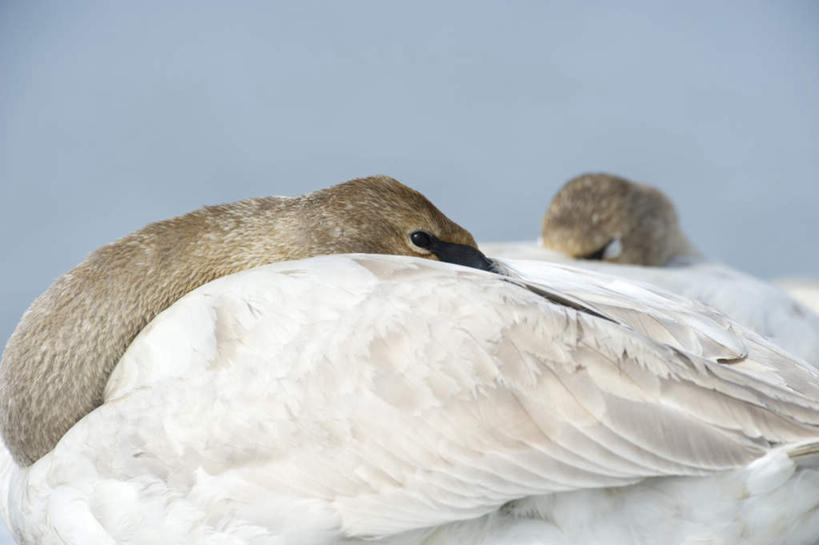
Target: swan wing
<point>760,306</point>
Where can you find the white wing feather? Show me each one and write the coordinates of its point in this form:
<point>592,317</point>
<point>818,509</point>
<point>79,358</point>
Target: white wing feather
<point>760,306</point>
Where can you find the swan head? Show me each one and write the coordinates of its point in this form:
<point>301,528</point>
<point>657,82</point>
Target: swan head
<point>608,218</point>
<point>381,215</point>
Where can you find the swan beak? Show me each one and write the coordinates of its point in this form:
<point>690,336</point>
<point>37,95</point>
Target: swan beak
<point>461,254</point>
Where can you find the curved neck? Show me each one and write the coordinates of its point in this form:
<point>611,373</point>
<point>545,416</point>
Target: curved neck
<point>58,360</point>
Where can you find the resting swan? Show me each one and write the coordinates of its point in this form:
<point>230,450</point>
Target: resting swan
<point>58,359</point>
<point>346,398</point>
<point>609,224</point>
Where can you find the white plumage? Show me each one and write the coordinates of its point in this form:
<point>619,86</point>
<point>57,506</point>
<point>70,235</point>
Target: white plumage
<point>345,398</point>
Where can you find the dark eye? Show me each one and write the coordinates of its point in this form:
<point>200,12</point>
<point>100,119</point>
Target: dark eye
<point>421,239</point>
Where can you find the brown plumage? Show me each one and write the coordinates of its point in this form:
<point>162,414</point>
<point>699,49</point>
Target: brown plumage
<point>58,360</point>
<point>591,210</point>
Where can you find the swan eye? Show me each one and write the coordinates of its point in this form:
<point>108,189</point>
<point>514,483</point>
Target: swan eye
<point>421,239</point>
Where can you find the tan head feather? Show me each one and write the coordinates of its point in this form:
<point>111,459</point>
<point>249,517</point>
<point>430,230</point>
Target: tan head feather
<point>592,211</point>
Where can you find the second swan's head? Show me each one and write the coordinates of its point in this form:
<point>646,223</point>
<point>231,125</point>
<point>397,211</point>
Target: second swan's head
<point>608,218</point>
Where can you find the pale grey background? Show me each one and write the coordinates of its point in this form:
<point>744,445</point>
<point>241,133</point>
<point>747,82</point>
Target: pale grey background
<point>116,114</point>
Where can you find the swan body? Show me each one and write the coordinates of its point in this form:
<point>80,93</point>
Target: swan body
<point>342,399</point>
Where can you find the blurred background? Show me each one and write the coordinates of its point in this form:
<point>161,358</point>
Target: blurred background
<point>115,114</point>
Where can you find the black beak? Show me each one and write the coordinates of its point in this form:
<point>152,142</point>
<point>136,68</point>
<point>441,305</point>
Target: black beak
<point>461,254</point>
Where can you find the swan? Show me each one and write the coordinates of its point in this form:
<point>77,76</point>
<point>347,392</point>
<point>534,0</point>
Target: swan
<point>359,397</point>
<point>351,398</point>
<point>609,224</point>
<point>58,359</point>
